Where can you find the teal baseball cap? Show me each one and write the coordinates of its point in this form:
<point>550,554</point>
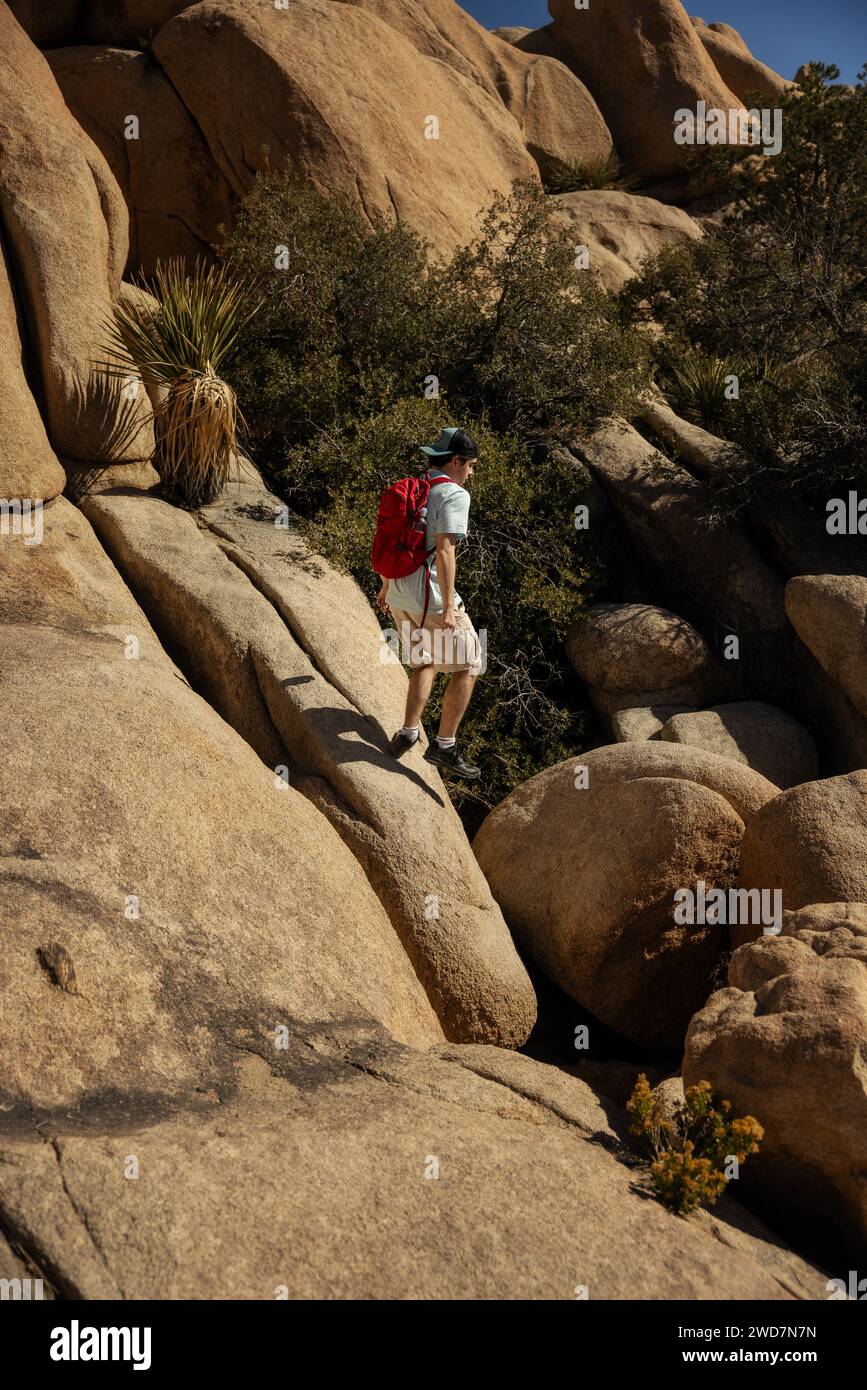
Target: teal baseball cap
<point>451,441</point>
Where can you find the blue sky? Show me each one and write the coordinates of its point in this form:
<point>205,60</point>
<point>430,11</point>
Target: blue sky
<point>783,33</point>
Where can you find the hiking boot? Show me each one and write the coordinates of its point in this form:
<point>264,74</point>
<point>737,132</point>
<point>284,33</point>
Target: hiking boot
<point>450,760</point>
<point>400,744</point>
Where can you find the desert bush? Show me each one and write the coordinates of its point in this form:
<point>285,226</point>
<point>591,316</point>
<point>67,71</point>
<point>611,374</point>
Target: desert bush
<point>357,318</point>
<point>524,336</point>
<point>690,1144</point>
<point>781,282</point>
<point>343,326</point>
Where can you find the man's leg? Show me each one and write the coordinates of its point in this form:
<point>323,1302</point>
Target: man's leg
<point>444,751</point>
<point>455,700</point>
<point>421,679</point>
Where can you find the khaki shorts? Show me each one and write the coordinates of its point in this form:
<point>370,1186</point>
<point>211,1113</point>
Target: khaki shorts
<point>432,645</point>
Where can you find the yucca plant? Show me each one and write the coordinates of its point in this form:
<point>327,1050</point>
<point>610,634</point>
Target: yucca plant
<point>766,370</point>
<point>699,390</point>
<point>562,176</point>
<point>699,385</point>
<point>180,345</point>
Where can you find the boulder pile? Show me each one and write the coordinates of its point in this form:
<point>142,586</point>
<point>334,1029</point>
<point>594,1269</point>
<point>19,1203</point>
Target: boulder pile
<point>465,110</point>
<point>786,1041</point>
<point>585,860</point>
<point>249,952</point>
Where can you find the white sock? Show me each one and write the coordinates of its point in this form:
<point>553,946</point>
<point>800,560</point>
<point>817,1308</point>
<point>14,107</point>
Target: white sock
<point>410,732</point>
<point>445,742</point>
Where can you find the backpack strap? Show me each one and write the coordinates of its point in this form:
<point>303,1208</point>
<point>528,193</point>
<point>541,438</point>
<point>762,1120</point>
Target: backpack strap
<point>426,594</point>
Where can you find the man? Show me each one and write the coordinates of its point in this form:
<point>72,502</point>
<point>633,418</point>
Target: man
<point>447,640</point>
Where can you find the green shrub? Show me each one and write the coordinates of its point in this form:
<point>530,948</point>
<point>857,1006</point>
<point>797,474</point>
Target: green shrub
<point>358,319</point>
<point>690,1144</point>
<point>778,291</point>
<point>523,335</point>
<point>343,323</point>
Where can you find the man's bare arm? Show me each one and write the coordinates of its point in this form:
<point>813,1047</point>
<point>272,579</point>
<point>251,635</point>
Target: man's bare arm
<point>446,561</point>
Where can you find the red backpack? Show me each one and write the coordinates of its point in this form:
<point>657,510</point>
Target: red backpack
<point>400,543</point>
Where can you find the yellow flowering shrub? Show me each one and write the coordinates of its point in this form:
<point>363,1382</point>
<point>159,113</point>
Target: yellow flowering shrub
<point>691,1144</point>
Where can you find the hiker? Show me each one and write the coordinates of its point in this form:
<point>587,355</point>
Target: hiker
<point>419,525</point>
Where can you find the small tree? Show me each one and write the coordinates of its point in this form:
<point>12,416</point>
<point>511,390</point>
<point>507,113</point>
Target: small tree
<point>523,333</point>
<point>779,286</point>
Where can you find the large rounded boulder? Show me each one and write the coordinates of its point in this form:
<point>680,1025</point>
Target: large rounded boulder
<point>786,1043</point>
<point>637,647</point>
<point>621,230</point>
<point>752,732</point>
<point>177,198</point>
<point>429,146</point>
<point>28,466</point>
<point>169,903</point>
<point>810,845</point>
<point>560,121</point>
<point>742,73</point>
<point>829,614</point>
<point>641,664</point>
<point>66,228</point>
<point>288,651</point>
<point>642,60</point>
<point>585,860</point>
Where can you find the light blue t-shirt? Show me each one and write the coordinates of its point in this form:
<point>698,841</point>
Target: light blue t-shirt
<point>448,509</point>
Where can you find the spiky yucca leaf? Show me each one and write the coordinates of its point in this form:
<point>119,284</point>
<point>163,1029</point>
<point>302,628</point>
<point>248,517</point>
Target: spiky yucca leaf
<point>200,314</point>
<point>180,345</point>
<point>700,387</point>
<point>767,370</point>
<point>561,176</point>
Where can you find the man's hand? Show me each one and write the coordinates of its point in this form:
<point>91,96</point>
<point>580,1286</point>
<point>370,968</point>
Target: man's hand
<point>382,597</point>
<point>449,617</point>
